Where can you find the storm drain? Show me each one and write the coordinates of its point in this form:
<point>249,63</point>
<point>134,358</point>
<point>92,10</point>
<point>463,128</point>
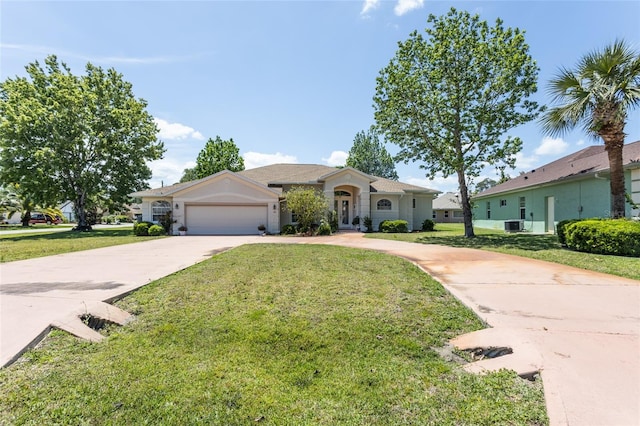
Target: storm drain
<point>94,323</point>
<point>481,353</point>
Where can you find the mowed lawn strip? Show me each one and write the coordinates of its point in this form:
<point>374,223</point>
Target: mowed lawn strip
<point>278,335</point>
<point>541,247</point>
<point>32,245</point>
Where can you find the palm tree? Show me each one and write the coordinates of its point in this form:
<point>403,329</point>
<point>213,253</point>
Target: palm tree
<point>598,95</point>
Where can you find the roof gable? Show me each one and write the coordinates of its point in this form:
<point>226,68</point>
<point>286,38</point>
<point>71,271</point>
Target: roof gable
<point>224,182</point>
<point>345,170</point>
<point>447,201</point>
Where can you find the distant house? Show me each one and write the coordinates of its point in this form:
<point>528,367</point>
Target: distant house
<point>231,203</point>
<point>447,208</point>
<point>573,187</point>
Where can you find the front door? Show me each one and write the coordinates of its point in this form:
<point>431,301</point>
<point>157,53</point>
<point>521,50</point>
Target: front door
<point>342,206</point>
<point>551,225</point>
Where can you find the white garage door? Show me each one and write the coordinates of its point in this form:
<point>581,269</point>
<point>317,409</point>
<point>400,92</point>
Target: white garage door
<point>225,220</point>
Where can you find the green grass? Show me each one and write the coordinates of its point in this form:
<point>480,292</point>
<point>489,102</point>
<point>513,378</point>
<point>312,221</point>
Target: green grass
<point>31,245</point>
<point>541,247</point>
<point>276,335</point>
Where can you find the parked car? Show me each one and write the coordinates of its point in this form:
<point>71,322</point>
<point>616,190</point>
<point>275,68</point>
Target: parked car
<point>44,218</point>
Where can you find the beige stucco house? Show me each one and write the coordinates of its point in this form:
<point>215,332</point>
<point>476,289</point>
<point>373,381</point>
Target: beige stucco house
<point>447,208</point>
<point>229,203</point>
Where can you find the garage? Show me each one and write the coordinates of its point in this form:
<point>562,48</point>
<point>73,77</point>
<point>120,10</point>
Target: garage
<point>225,219</point>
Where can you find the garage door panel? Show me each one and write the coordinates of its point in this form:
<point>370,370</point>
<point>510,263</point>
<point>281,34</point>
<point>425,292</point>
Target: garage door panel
<point>225,219</point>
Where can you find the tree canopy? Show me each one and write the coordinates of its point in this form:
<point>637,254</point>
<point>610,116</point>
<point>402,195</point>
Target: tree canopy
<point>369,155</point>
<point>79,138</point>
<point>598,95</point>
<point>216,156</point>
<point>448,99</point>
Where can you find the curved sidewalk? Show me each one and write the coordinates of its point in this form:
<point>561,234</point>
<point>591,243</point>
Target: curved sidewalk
<point>580,329</point>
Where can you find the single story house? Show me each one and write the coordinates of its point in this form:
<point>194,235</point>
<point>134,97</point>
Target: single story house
<point>236,203</point>
<point>447,208</point>
<point>573,187</point>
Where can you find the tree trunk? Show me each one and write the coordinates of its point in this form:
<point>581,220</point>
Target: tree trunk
<point>26,217</point>
<point>614,146</point>
<point>81,213</point>
<point>466,206</point>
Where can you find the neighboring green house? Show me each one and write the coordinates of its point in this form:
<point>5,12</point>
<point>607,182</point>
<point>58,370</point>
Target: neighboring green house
<point>229,203</point>
<point>573,187</point>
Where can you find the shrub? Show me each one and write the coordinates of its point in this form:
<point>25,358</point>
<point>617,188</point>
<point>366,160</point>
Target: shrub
<point>561,228</point>
<point>333,220</point>
<point>428,225</point>
<point>324,228</point>
<point>122,218</point>
<point>141,229</point>
<point>620,237</point>
<point>368,224</point>
<point>288,229</point>
<point>156,230</point>
<point>394,226</point>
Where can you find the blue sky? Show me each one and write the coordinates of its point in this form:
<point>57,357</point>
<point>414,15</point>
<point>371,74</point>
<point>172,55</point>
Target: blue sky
<point>289,81</point>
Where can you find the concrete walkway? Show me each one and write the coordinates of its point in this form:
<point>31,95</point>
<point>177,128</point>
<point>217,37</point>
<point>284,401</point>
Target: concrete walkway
<point>579,329</point>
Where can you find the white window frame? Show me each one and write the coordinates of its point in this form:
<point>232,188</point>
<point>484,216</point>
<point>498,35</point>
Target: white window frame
<point>384,204</point>
<point>158,209</point>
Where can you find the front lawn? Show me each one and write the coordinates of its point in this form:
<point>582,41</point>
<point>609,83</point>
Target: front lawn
<point>541,247</point>
<point>273,334</point>
<point>30,245</point>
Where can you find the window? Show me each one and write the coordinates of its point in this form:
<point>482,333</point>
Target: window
<point>433,214</point>
<point>488,209</point>
<point>458,214</point>
<point>384,204</point>
<point>159,209</point>
<point>414,203</point>
<point>446,213</point>
<point>523,212</point>
<point>503,203</point>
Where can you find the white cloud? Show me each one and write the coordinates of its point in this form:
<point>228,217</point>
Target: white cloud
<point>166,172</point>
<point>524,163</point>
<point>551,146</point>
<point>405,6</point>
<point>337,158</point>
<point>258,159</point>
<point>369,5</point>
<point>176,131</point>
<point>580,142</point>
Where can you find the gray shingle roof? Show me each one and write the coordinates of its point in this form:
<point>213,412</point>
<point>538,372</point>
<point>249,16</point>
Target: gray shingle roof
<point>297,174</point>
<point>447,201</point>
<point>583,163</point>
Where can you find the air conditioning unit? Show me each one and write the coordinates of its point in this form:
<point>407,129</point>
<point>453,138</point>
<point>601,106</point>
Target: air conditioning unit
<point>515,225</point>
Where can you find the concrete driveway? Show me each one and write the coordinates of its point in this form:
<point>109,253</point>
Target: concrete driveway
<point>579,329</point>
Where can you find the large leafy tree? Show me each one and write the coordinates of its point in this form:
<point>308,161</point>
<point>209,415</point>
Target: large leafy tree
<point>216,156</point>
<point>448,99</point>
<point>369,155</point>
<point>189,175</point>
<point>597,95</point>
<point>66,137</point>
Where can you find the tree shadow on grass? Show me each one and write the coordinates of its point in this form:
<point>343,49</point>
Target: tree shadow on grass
<point>70,235</point>
<point>510,241</point>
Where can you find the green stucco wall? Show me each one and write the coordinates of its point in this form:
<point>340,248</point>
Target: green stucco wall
<point>571,200</point>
